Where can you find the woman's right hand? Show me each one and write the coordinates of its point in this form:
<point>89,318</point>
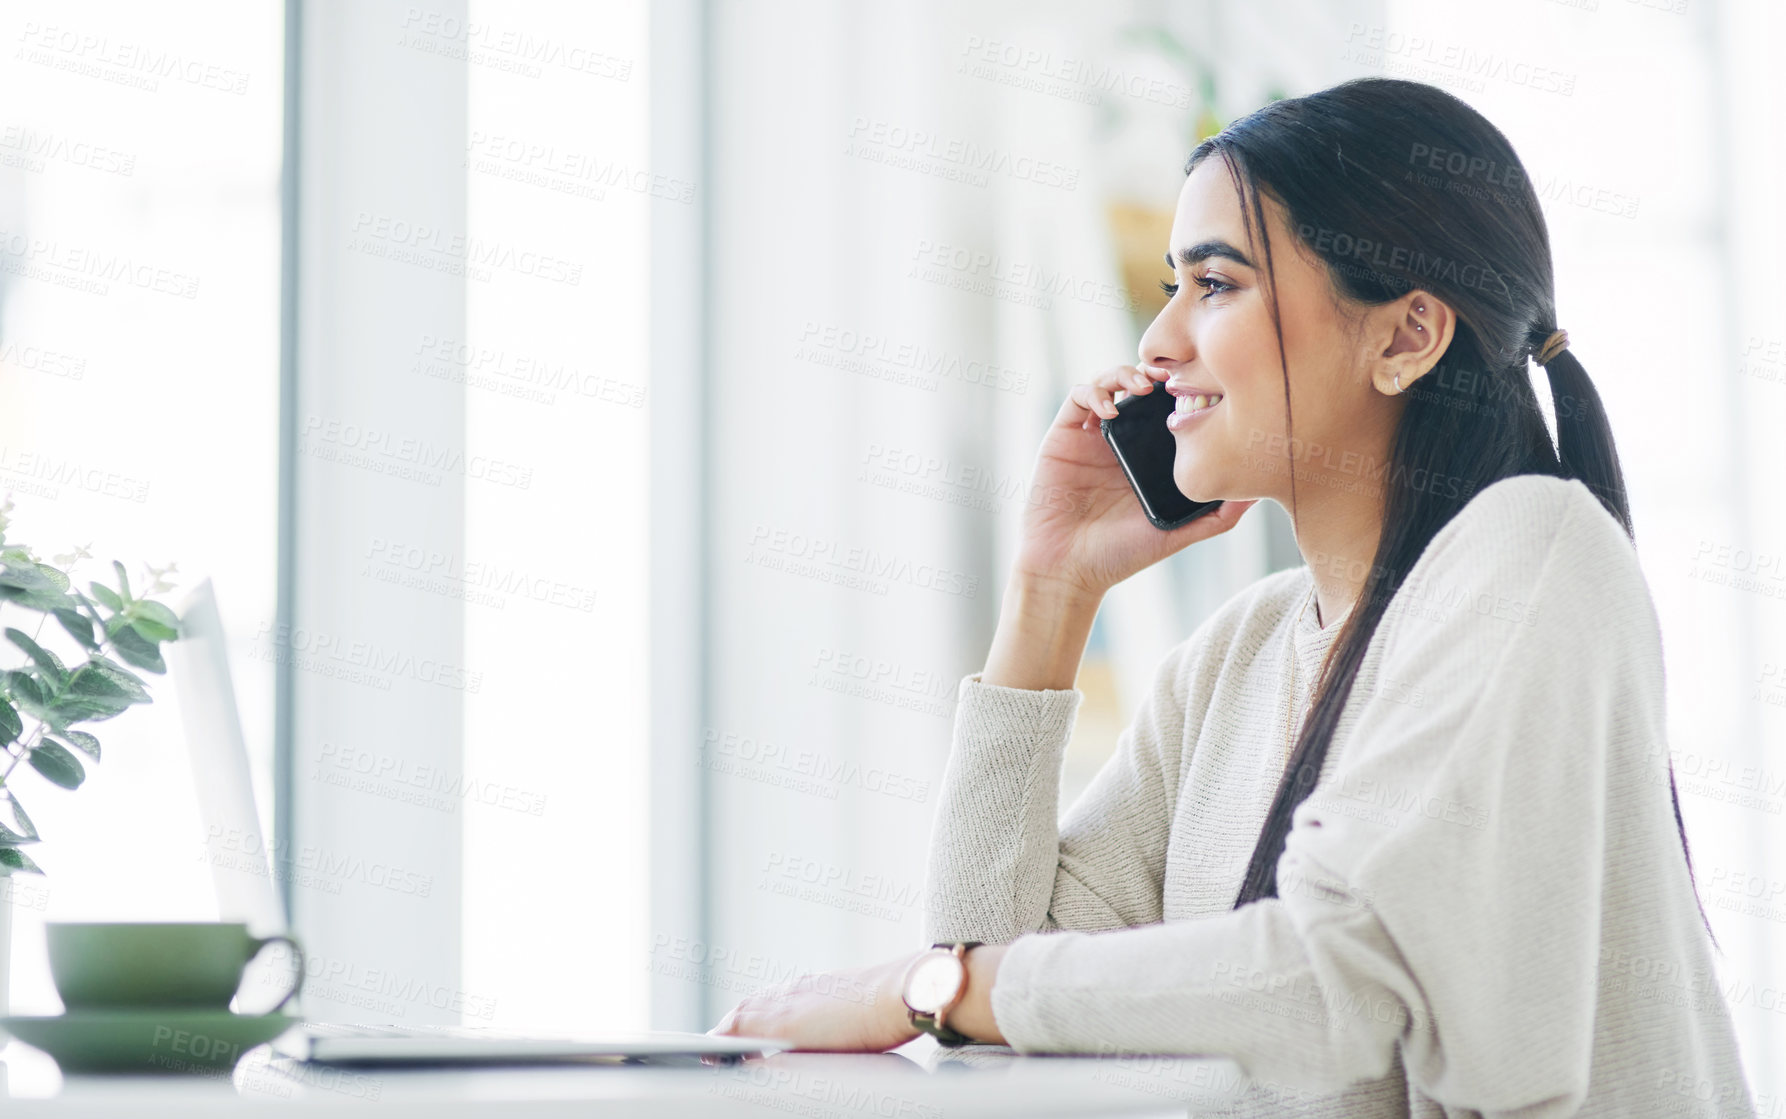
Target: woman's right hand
<point>1083,530</point>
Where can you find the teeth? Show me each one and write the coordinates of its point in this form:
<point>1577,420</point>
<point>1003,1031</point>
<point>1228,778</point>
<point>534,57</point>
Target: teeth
<point>1197,403</point>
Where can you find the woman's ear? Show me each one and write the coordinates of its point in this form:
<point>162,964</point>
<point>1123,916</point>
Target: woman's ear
<point>1415,331</point>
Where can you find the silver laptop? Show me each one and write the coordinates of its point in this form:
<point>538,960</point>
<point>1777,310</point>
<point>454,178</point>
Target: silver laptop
<point>199,665</point>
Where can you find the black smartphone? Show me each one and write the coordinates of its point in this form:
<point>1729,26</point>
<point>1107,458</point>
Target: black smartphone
<point>1145,447</point>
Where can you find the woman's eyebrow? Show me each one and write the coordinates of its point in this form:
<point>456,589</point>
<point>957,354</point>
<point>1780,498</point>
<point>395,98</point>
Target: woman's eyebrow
<point>1203,250</point>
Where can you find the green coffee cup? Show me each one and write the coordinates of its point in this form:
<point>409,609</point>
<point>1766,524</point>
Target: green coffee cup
<point>197,964</point>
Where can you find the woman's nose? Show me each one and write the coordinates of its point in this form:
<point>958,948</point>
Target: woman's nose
<point>1166,342</point>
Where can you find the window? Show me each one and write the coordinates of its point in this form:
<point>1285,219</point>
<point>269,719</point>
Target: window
<point>139,358</point>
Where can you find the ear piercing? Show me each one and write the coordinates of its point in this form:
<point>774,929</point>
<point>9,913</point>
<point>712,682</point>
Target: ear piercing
<point>1420,310</point>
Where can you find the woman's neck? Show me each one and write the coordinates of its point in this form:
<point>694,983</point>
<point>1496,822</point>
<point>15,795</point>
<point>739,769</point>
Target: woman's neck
<point>1338,540</point>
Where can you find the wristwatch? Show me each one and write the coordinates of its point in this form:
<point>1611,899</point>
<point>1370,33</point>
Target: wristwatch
<point>933,987</point>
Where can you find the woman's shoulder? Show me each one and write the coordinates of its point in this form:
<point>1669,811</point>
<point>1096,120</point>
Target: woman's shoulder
<point>1525,528</point>
<point>1535,549</point>
<point>1524,507</point>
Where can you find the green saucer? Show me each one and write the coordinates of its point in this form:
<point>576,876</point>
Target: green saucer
<point>169,1041</point>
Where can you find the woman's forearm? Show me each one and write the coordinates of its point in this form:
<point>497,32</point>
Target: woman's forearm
<point>1042,632</point>
<point>973,1015</point>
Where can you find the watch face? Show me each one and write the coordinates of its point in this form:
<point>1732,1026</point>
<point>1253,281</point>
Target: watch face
<point>933,982</point>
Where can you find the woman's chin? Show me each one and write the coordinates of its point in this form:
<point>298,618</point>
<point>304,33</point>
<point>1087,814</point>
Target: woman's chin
<point>1203,475</point>
<point>1196,486</point>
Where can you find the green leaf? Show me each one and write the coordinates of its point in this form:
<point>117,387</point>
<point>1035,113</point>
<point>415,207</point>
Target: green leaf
<point>98,690</point>
<point>31,577</point>
<point>107,596</point>
<point>53,668</point>
<point>43,601</point>
<point>159,614</point>
<point>82,709</point>
<point>22,821</point>
<point>23,687</point>
<point>63,739</point>
<point>83,742</point>
<point>91,682</point>
<point>151,630</point>
<point>58,766</point>
<point>123,581</point>
<point>21,831</point>
<point>135,649</point>
<point>55,577</point>
<point>79,627</point>
<point>11,726</point>
<point>88,607</point>
<point>32,586</point>
<point>134,686</point>
<point>108,679</point>
<point>15,861</point>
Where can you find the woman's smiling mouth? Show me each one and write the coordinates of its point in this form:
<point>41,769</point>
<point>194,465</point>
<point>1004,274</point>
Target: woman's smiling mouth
<point>1191,405</point>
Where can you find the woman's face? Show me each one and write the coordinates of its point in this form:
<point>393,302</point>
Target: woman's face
<point>1215,338</point>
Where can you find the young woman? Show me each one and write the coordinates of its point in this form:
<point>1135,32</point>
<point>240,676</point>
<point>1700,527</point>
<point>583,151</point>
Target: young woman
<point>1395,830</point>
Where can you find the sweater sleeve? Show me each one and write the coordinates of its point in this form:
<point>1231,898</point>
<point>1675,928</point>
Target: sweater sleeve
<point>1002,864</point>
<point>1440,890</point>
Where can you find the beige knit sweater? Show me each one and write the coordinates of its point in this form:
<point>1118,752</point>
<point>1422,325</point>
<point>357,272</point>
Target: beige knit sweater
<point>1484,907</point>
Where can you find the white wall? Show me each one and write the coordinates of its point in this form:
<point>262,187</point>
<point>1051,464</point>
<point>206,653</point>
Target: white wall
<point>379,673</point>
<point>478,189</point>
<point>562,181</point>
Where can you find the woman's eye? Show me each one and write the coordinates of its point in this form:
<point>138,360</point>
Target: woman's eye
<point>1209,284</point>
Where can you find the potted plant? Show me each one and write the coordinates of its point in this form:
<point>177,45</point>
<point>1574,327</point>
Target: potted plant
<point>46,697</point>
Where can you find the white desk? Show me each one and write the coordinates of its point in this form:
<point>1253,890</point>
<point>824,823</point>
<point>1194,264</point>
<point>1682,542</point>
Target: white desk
<point>968,1083</point>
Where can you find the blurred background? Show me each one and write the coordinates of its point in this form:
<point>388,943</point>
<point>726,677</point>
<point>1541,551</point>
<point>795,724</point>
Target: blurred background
<point>606,428</point>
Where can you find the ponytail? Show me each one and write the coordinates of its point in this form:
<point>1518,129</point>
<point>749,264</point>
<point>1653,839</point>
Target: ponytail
<point>1585,450</point>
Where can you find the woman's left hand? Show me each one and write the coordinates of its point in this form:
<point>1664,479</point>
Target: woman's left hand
<point>857,1010</point>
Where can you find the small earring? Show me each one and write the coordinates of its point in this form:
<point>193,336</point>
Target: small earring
<point>1417,326</point>
<point>1398,384</point>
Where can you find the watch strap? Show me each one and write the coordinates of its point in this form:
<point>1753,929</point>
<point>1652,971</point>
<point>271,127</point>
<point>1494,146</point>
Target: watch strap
<point>945,1035</point>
